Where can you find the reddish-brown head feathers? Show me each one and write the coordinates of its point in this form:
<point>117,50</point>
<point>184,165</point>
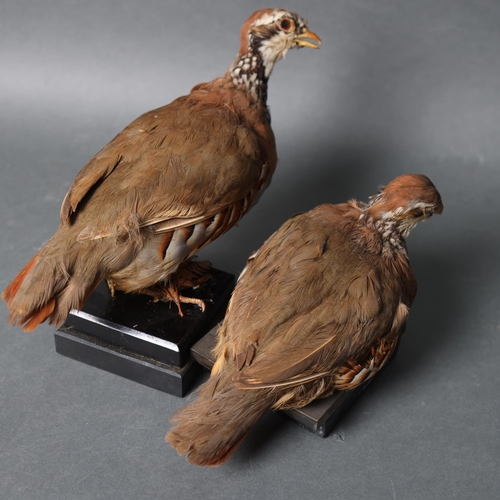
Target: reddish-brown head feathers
<point>246,28</point>
<point>412,194</point>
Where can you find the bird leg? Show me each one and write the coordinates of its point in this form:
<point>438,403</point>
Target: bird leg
<point>189,274</point>
<point>111,287</point>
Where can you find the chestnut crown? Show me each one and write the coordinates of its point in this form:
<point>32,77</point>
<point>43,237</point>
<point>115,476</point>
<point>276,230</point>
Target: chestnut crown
<point>405,201</point>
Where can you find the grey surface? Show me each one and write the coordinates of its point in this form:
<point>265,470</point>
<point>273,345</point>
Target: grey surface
<point>398,86</point>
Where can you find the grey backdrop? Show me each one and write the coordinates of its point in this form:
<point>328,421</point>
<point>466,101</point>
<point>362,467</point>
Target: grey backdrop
<point>398,86</point>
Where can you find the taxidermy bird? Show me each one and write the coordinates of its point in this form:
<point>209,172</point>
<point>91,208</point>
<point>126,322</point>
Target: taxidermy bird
<point>319,308</point>
<point>167,185</point>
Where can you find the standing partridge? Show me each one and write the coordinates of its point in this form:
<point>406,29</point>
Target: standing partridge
<point>167,185</point>
<point>319,308</point>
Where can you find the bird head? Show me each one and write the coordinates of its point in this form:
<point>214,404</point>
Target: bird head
<point>405,201</point>
<point>271,33</point>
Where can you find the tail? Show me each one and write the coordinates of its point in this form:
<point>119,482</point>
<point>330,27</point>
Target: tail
<point>47,289</point>
<point>210,428</point>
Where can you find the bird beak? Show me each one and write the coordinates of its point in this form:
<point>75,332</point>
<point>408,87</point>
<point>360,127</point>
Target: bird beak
<point>301,42</point>
<point>439,209</point>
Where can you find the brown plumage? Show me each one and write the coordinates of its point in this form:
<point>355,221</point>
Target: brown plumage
<point>320,307</point>
<point>167,185</point>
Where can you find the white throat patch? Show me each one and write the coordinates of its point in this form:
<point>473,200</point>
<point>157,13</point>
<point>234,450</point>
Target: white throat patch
<point>273,50</point>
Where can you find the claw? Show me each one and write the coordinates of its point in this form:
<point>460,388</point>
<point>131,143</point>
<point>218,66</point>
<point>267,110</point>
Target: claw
<point>111,287</point>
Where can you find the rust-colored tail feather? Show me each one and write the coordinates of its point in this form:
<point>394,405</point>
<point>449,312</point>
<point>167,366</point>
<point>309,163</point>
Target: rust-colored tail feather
<point>10,292</point>
<point>40,316</point>
<point>211,427</point>
<point>17,317</point>
<point>44,290</point>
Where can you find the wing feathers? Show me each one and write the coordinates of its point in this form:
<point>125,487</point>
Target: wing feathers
<point>308,337</point>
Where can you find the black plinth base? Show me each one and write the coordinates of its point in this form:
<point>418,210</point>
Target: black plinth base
<point>318,417</point>
<point>142,340</point>
<point>127,364</point>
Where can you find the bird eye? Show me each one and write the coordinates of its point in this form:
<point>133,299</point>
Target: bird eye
<point>285,24</point>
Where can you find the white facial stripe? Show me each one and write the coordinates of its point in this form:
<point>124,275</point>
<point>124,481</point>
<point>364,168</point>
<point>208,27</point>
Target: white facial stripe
<point>391,214</point>
<point>419,204</point>
<point>411,206</point>
<point>270,18</point>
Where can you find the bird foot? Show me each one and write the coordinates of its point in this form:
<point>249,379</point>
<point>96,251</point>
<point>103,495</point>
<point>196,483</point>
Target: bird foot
<point>189,274</point>
<point>171,293</point>
<point>111,287</point>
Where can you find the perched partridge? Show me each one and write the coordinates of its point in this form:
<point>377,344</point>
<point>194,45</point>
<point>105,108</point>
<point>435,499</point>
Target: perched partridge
<point>167,185</point>
<point>318,308</point>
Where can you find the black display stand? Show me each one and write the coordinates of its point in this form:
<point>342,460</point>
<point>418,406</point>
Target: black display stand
<point>318,417</point>
<point>145,341</point>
